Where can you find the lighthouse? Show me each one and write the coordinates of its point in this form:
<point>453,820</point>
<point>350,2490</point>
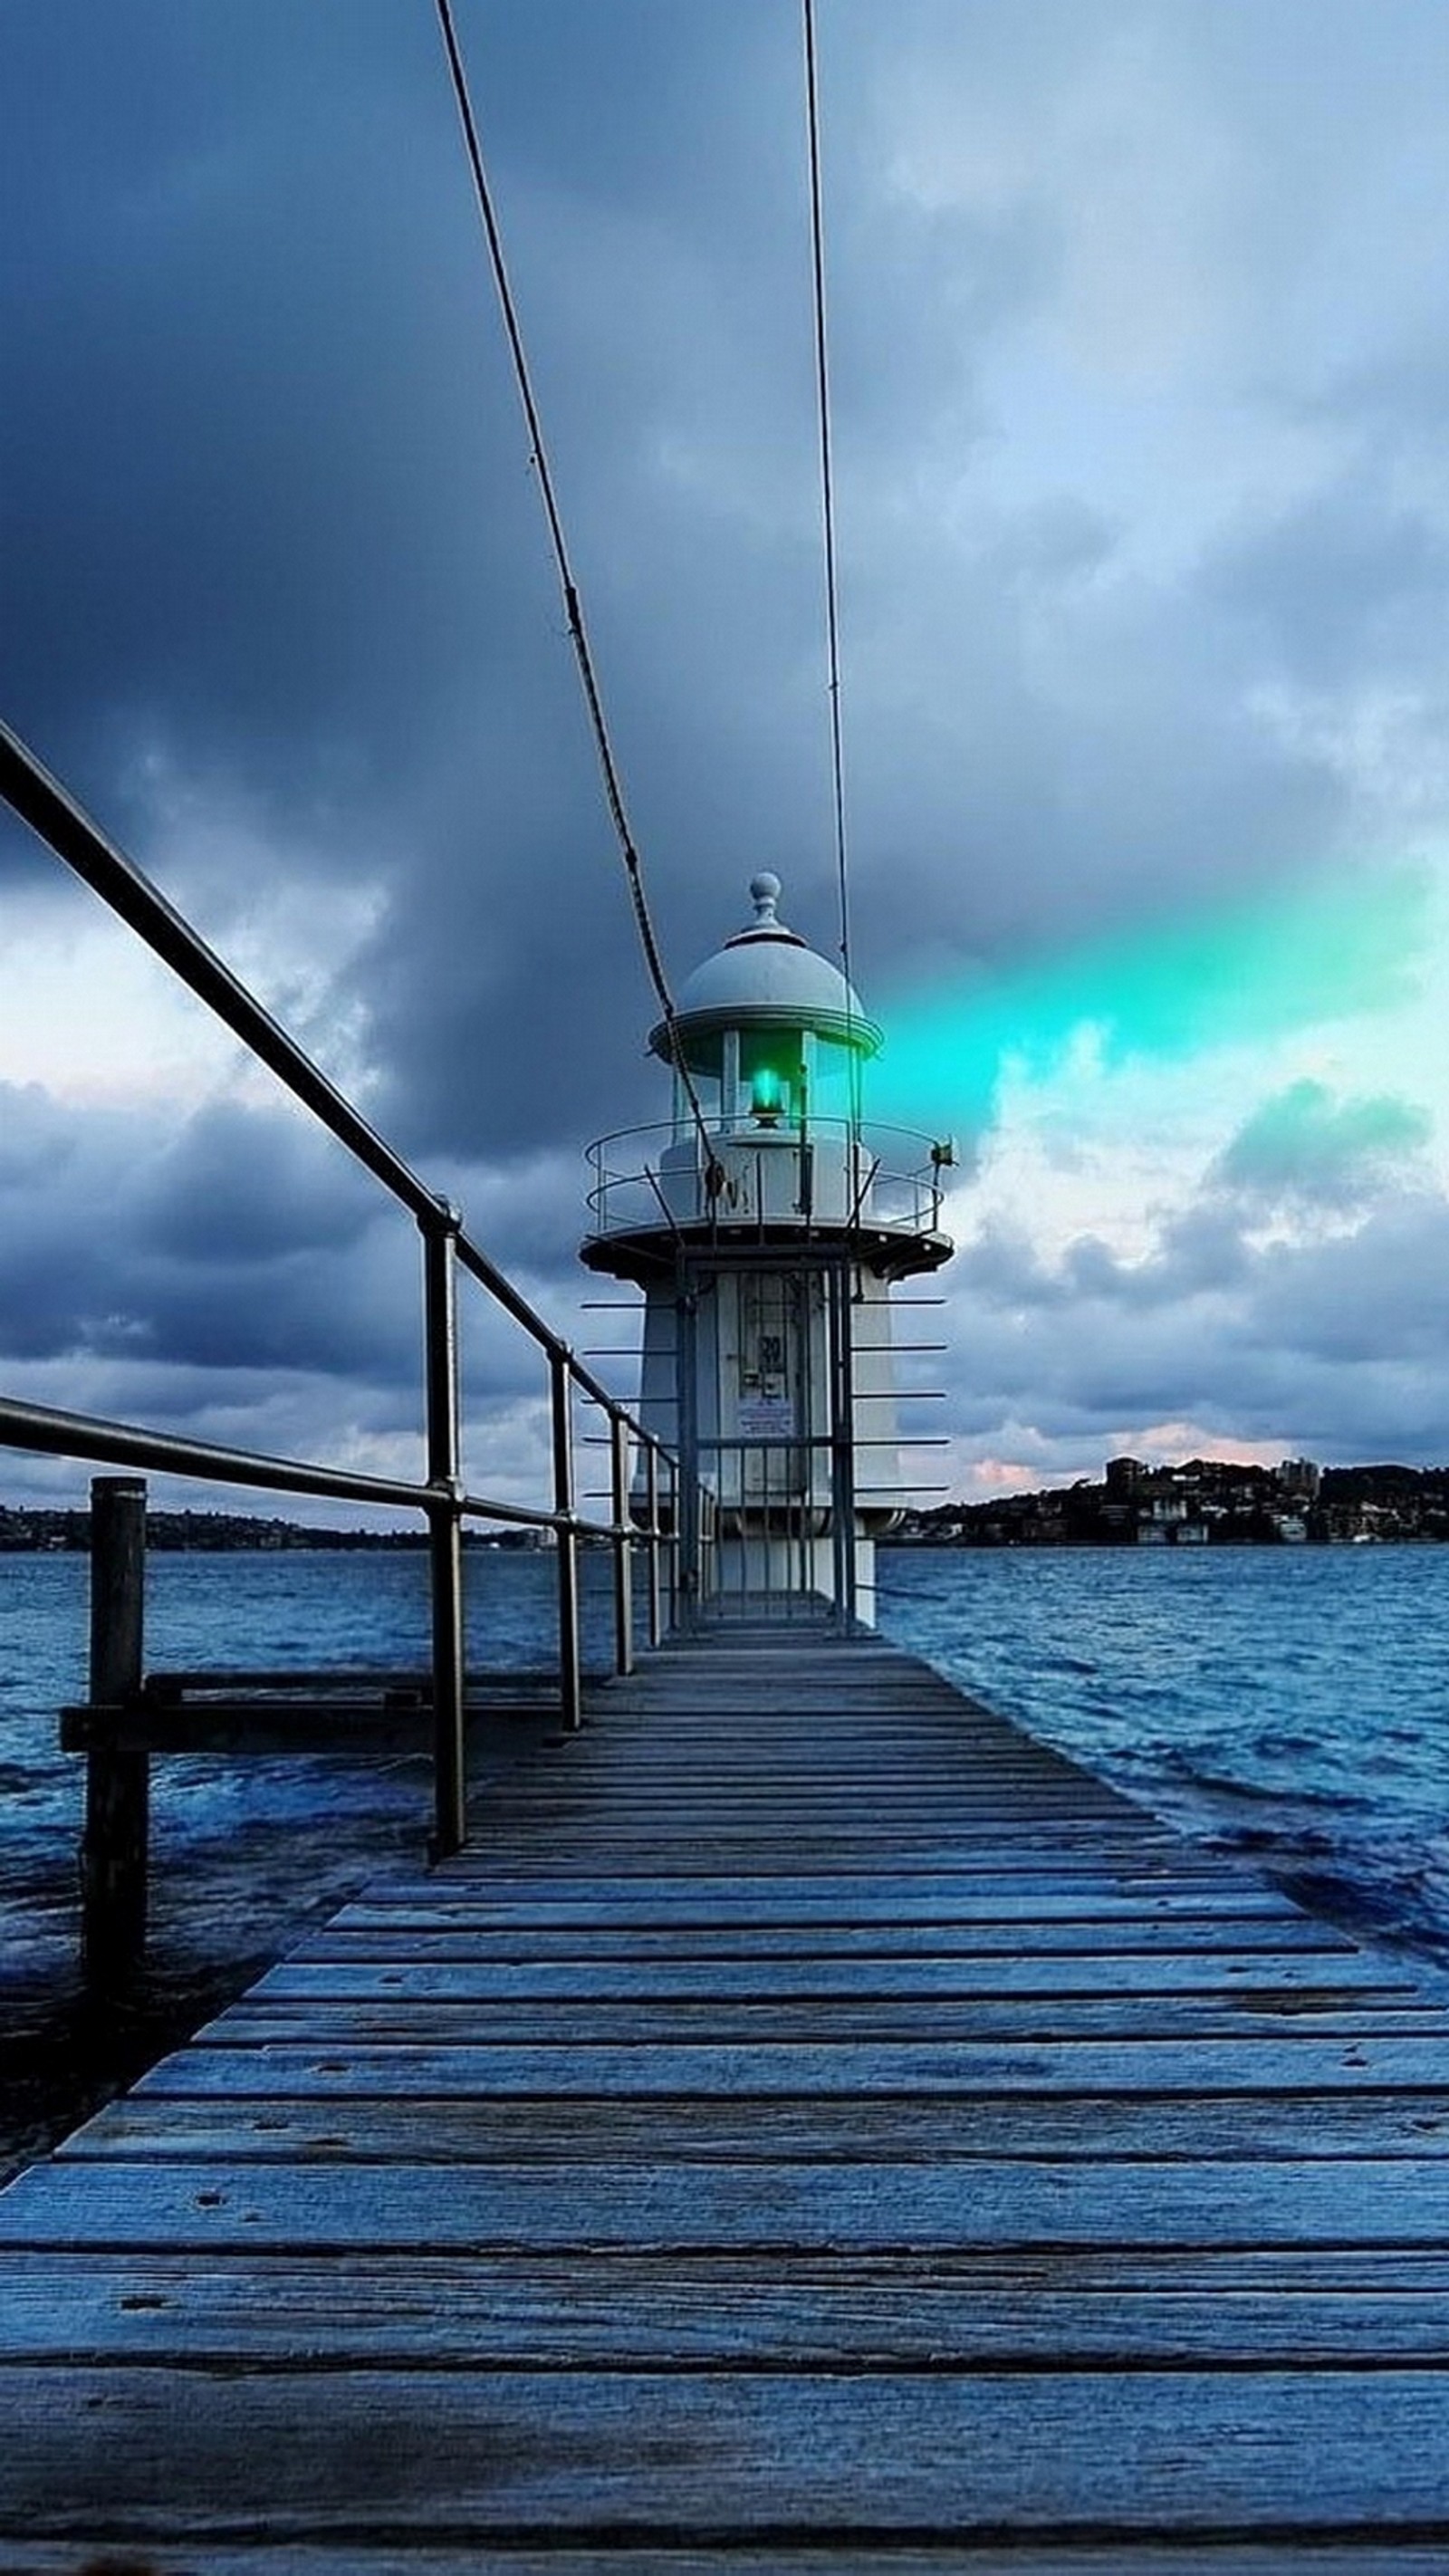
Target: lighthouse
<point>766,1223</point>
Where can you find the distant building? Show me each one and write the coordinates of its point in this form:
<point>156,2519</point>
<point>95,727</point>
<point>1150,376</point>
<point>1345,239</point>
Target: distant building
<point>1124,1476</point>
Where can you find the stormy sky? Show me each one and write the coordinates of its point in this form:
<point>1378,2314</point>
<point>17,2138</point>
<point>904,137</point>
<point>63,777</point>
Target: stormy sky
<point>1140,348</point>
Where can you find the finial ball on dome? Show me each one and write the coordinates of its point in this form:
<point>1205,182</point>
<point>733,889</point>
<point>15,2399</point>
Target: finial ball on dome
<point>765,891</point>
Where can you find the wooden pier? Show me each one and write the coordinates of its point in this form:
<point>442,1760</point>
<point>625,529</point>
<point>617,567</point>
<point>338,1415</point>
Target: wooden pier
<point>812,2127</point>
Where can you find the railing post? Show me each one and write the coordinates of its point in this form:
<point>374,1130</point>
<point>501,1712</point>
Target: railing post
<point>687,1519</point>
<point>445,1527</point>
<point>114,1849</point>
<point>623,1547</point>
<point>842,1443</point>
<point>651,1505</point>
<point>672,1558</point>
<point>567,1537</point>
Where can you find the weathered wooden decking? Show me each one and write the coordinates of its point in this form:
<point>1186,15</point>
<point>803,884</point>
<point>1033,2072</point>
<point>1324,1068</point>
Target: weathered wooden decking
<point>813,2128</point>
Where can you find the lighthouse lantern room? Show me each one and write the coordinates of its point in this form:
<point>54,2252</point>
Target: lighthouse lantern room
<point>765,1224</point>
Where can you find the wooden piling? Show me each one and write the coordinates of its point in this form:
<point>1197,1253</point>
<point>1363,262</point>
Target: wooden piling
<point>114,1847</point>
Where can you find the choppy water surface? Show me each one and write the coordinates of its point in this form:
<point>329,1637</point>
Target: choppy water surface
<point>1290,1703</point>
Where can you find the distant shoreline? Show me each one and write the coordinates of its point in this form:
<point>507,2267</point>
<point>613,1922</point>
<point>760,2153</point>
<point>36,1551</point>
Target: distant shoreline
<point>68,1533</point>
<point>1201,1502</point>
<point>907,1540</point>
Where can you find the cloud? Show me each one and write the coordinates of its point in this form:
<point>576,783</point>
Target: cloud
<point>231,1277</point>
<point>231,1244</point>
<point>1138,399</point>
<point>1305,1147</point>
<point>1335,1347</point>
<point>1227,975</point>
<point>1351,583</point>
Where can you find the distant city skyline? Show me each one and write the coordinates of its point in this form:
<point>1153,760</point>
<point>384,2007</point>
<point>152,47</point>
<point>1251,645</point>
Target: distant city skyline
<point>1138,322</point>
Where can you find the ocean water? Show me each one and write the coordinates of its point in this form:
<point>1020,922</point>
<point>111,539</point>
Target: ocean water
<point>1289,1704</point>
<point>358,1611</point>
<point>243,1852</point>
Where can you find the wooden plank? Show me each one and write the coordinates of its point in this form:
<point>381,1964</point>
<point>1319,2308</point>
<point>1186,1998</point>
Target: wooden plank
<point>361,1933</point>
<point>1016,1803</point>
<point>725,2455</point>
<point>958,2071</point>
<point>870,2207</point>
<point>535,1905</point>
<point>670,1744</point>
<point>1015,1799</point>
<point>619,1752</point>
<point>675,1852</point>
<point>835,1870</point>
<point>1124,2556</point>
<point>1262,1984</point>
<point>890,2127</point>
<point>1117,2311</point>
<point>831,1868</point>
<point>831,1858</point>
<point>1069,2021</point>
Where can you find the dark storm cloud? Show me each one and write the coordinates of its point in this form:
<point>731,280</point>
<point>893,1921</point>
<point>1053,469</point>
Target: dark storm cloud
<point>220,1276</point>
<point>272,561</point>
<point>1351,583</point>
<point>1336,1347</point>
<point>231,1245</point>
<point>270,525</point>
<point>217,332</point>
<point>239,1185</point>
<point>1379,1294</point>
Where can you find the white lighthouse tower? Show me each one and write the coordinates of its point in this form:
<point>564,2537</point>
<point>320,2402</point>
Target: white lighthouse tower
<point>765,1224</point>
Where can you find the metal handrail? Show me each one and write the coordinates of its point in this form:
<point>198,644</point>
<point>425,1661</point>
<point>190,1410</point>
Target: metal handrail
<point>70,833</point>
<point>49,1432</point>
<point>58,820</point>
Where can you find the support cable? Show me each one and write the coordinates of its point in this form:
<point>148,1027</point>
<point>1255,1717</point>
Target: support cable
<point>827,513</point>
<point>573,609</point>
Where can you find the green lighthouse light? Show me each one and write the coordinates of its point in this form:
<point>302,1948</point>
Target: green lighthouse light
<point>766,1096</point>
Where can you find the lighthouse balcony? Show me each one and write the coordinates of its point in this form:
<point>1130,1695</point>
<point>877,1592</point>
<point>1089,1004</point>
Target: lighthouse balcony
<point>825,1176</point>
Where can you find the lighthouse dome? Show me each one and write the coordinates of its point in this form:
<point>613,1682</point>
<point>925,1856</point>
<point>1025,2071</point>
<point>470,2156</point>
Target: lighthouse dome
<point>765,975</point>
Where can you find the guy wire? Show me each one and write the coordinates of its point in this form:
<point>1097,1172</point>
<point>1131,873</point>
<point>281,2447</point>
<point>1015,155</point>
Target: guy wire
<point>827,513</point>
<point>573,609</point>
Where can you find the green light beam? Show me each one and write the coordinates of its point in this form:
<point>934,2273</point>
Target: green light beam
<point>1239,975</point>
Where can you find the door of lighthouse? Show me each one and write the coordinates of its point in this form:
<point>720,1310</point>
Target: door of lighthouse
<point>773,1376</point>
<point>766,1428</point>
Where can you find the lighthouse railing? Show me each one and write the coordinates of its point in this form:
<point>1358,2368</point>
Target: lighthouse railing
<point>441,1494</point>
<point>826,1171</point>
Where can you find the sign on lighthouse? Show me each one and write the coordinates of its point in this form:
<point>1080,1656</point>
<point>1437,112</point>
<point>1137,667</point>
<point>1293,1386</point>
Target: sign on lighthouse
<point>766,1222</point>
